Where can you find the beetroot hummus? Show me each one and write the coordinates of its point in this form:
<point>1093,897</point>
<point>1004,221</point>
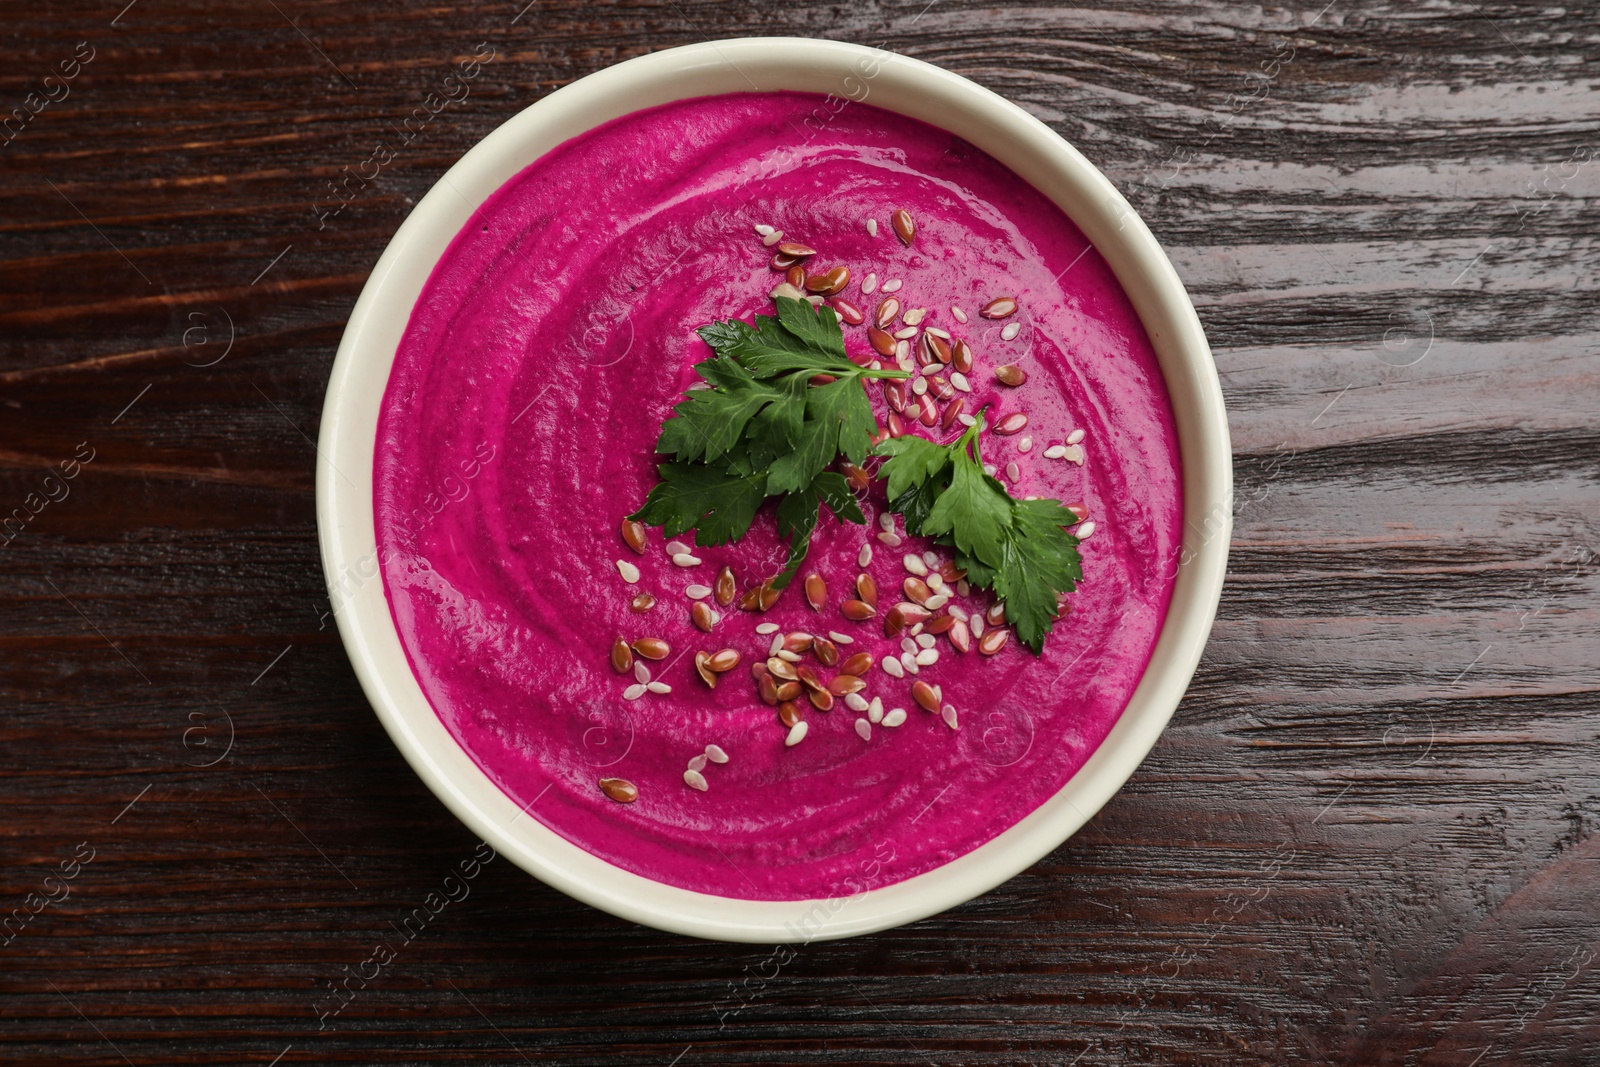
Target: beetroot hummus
<point>517,432</point>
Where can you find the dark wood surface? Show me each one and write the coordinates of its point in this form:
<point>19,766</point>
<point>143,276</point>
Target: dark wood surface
<point>1368,836</point>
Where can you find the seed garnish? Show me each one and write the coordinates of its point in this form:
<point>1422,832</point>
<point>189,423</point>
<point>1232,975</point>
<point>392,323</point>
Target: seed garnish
<point>684,559</point>
<point>634,692</point>
<point>842,639</point>
<point>864,729</point>
<point>702,616</point>
<point>892,285</point>
<point>1010,424</point>
<point>797,734</point>
<point>633,534</point>
<point>1010,374</point>
<point>864,557</point>
<point>652,648</point>
<point>642,603</point>
<point>629,572</point>
<point>715,754</point>
<point>641,671</point>
<point>1010,331</point>
<point>702,667</point>
<point>767,628</point>
<point>695,780</point>
<point>905,227</point>
<point>621,656</point>
<point>816,591</point>
<point>895,717</point>
<point>619,789</point>
<point>998,308</point>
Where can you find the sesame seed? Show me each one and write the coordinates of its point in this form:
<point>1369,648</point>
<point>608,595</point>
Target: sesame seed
<point>633,692</point>
<point>1084,530</point>
<point>966,420</point>
<point>895,717</point>
<point>695,780</point>
<point>1074,454</point>
<point>892,540</point>
<point>1055,451</point>
<point>989,469</point>
<point>959,380</point>
<point>797,733</point>
<point>948,713</point>
<point>698,763</point>
<point>927,657</point>
<point>958,612</point>
<point>869,284</point>
<point>715,754</point>
<point>1025,445</point>
<point>886,521</point>
<point>936,332</point>
<point>791,657</point>
<point>697,592</point>
<point>914,317</point>
<point>908,645</point>
<point>935,581</point>
<point>683,559</point>
<point>777,645</point>
<point>864,557</point>
<point>931,558</point>
<point>892,668</point>
<point>864,729</point>
<point>872,227</point>
<point>933,369</point>
<point>926,640</point>
<point>937,601</point>
<point>772,238</point>
<point>1010,330</point>
<point>1013,472</point>
<point>763,229</point>
<point>841,639</point>
<point>909,662</point>
<point>641,673</point>
<point>963,589</point>
<point>904,333</point>
<point>892,285</point>
<point>855,702</point>
<point>767,628</point>
<point>675,547</point>
<point>629,572</point>
<point>1074,437</point>
<point>875,710</point>
<point>975,624</point>
<point>914,563</point>
<point>659,688</point>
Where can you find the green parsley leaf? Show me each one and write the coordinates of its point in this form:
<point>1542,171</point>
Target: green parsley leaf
<point>718,502</point>
<point>1018,548</point>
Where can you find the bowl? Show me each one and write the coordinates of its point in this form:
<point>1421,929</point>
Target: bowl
<point>850,72</point>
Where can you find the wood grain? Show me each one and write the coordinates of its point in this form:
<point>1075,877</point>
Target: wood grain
<point>1368,836</point>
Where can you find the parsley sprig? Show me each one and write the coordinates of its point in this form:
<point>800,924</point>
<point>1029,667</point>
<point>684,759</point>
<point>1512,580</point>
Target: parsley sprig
<point>761,429</point>
<point>1018,548</point>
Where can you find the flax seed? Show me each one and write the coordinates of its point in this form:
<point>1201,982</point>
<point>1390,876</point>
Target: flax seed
<point>905,227</point>
<point>998,308</point>
<point>633,534</point>
<point>619,789</point>
<point>641,603</point>
<point>816,591</point>
<point>1015,422</point>
<point>826,651</point>
<point>789,713</point>
<point>652,648</point>
<point>993,641</point>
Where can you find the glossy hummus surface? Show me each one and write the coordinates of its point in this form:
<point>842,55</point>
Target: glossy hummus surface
<point>517,431</point>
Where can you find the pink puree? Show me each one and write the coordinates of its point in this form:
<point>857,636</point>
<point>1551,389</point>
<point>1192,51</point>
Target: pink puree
<point>517,430</point>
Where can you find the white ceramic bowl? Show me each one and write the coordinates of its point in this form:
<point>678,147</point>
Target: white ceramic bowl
<point>907,86</point>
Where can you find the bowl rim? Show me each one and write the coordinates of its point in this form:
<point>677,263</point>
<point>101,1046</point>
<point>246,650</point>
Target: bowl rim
<point>347,440</point>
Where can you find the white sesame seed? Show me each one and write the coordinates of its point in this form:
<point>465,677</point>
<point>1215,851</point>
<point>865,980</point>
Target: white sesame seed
<point>777,645</point>
<point>908,644</point>
<point>864,729</point>
<point>763,229</point>
<point>659,688</point>
<point>684,559</point>
<point>676,547</point>
<point>875,710</point>
<point>927,657</point>
<point>785,289</point>
<point>989,469</point>
<point>864,557</point>
<point>1025,445</point>
<point>926,640</point>
<point>872,227</point>
<point>629,572</point>
<point>772,238</point>
<point>892,540</point>
<point>902,353</point>
<point>956,611</point>
<point>1084,530</point>
<point>869,284</point>
<point>698,763</point>
<point>842,639</point>
<point>797,733</point>
<point>1010,330</point>
<point>633,692</point>
<point>694,780</point>
<point>915,565</point>
<point>931,558</point>
<point>697,592</point>
<point>892,667</point>
<point>935,581</point>
<point>917,629</point>
<point>1013,472</point>
<point>961,316</point>
<point>1055,451</point>
<point>1074,437</point>
<point>767,628</point>
<point>855,702</point>
<point>909,662</point>
<point>959,380</point>
<point>932,370</point>
<point>904,333</point>
<point>791,657</point>
<point>937,600</point>
<point>895,717</point>
<point>886,520</point>
<point>963,589</point>
<point>966,420</point>
<point>919,386</point>
<point>641,673</point>
<point>948,713</point>
<point>892,285</point>
<point>914,317</point>
<point>715,754</point>
<point>1074,454</point>
<point>937,332</point>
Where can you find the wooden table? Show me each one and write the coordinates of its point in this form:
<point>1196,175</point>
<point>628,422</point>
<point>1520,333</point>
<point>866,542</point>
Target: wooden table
<point>1368,836</point>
